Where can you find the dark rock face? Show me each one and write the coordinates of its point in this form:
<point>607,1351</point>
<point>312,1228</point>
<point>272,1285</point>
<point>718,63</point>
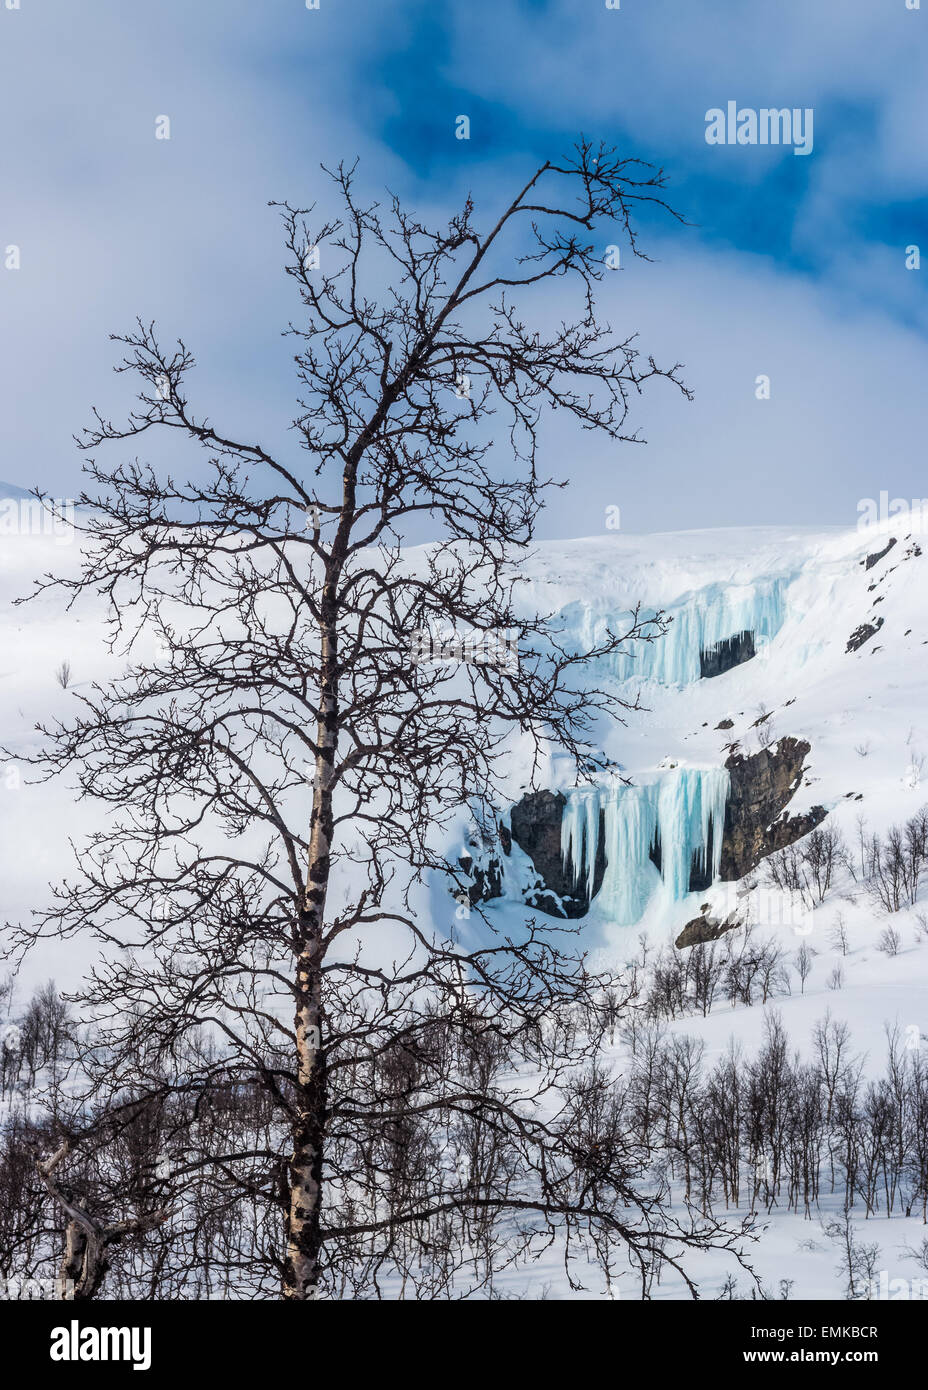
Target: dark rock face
<point>862,634</point>
<point>535,825</point>
<point>755,822</point>
<point>700,930</point>
<point>487,879</point>
<point>733,651</point>
<point>877,555</point>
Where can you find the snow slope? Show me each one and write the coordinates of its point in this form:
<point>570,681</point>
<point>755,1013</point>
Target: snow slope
<point>864,713</point>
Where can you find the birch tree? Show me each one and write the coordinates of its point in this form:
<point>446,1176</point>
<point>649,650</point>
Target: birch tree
<point>284,760</point>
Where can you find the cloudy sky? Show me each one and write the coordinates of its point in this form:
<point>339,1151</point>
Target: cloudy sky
<point>792,268</point>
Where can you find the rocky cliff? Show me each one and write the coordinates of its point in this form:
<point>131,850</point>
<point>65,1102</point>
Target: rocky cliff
<point>535,824</point>
<point>756,825</point>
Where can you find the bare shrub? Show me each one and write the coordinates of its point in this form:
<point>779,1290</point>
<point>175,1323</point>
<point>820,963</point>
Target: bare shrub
<point>802,963</point>
<point>809,866</point>
<point>894,867</point>
<point>838,935</point>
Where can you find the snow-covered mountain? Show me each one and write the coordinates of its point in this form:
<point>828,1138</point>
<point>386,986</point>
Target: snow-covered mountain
<point>774,634</point>
<point>797,655</point>
<point>795,647</point>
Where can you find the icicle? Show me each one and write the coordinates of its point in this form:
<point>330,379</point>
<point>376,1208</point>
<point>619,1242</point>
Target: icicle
<point>701,620</point>
<point>580,833</point>
<point>682,810</point>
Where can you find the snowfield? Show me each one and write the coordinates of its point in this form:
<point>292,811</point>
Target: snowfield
<point>864,712</point>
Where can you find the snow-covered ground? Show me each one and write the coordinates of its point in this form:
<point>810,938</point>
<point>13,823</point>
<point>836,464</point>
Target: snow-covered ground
<point>863,712</point>
<point>865,715</point>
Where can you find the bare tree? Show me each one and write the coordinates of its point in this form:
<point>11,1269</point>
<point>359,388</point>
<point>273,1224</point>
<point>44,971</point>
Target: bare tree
<point>809,865</point>
<point>894,867</point>
<point>766,734</point>
<point>838,935</point>
<point>858,1260</point>
<point>802,961</point>
<point>87,1240</point>
<point>284,775</point>
<point>890,942</point>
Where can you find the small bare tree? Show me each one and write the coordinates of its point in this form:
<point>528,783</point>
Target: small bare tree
<point>803,961</point>
<point>88,1240</point>
<point>839,936</point>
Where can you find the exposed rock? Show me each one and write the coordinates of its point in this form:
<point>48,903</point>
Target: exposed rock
<point>485,870</point>
<point>535,823</point>
<point>877,555</point>
<point>705,928</point>
<point>725,724</point>
<point>487,881</point>
<point>756,825</point>
<point>863,634</point>
<point>733,651</point>
<point>755,822</point>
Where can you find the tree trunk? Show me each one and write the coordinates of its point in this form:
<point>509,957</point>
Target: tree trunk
<point>83,1264</point>
<point>301,1279</point>
<point>302,1266</point>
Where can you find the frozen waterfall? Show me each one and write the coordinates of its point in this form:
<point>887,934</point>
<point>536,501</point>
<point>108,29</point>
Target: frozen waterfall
<point>701,620</point>
<point>675,820</point>
<point>667,829</point>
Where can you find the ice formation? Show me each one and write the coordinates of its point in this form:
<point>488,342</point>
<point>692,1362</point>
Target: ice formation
<point>676,817</point>
<point>670,822</point>
<point>701,620</point>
